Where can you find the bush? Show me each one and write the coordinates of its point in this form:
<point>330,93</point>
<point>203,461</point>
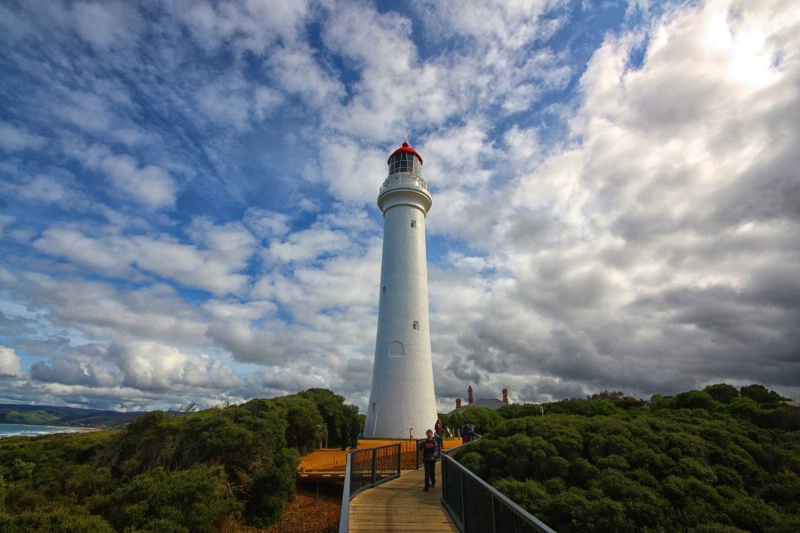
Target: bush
<point>701,461</point>
<point>760,395</point>
<point>722,392</point>
<point>58,519</point>
<point>530,495</point>
<point>193,500</point>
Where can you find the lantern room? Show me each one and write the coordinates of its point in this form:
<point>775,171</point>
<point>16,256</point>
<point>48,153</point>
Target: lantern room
<point>406,160</point>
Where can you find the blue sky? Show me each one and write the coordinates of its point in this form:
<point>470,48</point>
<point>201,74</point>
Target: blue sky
<point>187,196</point>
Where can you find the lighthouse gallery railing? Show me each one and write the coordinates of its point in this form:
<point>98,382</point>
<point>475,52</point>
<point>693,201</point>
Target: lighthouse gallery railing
<point>400,181</point>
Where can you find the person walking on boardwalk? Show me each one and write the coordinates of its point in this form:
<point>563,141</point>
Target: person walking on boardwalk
<point>345,435</point>
<point>355,428</point>
<point>438,432</point>
<point>430,452</point>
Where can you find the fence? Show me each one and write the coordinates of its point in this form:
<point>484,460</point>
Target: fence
<point>476,507</point>
<point>367,468</point>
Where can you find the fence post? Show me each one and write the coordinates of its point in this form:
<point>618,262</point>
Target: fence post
<point>494,519</point>
<point>461,479</point>
<point>399,458</point>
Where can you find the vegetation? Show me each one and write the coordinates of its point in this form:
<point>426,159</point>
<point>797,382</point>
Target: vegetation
<point>195,472</point>
<point>720,459</point>
<point>35,415</point>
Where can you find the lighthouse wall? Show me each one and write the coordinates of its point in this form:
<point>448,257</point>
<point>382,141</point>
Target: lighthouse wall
<point>403,395</point>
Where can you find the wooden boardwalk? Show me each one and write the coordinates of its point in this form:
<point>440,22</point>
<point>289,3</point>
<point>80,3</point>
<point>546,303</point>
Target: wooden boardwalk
<point>401,505</point>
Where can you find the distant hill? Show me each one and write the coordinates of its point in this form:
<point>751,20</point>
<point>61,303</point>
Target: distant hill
<point>50,415</point>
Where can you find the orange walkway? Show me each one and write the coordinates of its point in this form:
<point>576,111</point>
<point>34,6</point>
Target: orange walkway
<point>330,463</point>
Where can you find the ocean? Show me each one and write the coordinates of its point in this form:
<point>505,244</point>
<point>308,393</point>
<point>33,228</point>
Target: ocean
<point>22,430</point>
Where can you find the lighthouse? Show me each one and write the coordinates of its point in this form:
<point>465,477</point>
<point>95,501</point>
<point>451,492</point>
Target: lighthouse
<point>402,402</point>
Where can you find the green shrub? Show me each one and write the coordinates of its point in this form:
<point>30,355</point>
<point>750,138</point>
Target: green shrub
<point>706,460</point>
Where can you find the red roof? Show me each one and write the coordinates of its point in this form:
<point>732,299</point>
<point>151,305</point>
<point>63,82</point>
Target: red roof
<point>405,148</point>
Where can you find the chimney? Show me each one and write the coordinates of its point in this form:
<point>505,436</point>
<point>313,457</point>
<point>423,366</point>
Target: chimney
<point>458,403</point>
<point>505,396</point>
<point>469,393</point>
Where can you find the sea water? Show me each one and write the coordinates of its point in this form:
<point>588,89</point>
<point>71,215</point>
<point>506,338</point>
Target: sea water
<point>23,430</point>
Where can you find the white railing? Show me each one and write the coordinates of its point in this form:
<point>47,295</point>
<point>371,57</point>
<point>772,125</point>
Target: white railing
<point>403,181</point>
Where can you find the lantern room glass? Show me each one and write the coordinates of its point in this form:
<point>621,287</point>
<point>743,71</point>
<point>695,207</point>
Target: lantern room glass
<point>402,162</point>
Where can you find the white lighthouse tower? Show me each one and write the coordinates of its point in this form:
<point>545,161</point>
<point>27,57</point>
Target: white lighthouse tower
<point>402,402</point>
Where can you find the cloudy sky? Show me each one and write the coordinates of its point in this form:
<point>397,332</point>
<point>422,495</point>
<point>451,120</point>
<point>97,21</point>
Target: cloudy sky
<point>188,195</point>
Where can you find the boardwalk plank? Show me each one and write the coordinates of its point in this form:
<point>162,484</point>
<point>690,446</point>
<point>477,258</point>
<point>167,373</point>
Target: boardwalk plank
<point>400,505</point>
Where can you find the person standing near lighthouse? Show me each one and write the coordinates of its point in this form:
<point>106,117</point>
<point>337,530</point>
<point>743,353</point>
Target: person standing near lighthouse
<point>402,397</point>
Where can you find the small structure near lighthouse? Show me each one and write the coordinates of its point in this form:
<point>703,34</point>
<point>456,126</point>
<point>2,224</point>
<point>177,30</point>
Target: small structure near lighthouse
<point>402,402</point>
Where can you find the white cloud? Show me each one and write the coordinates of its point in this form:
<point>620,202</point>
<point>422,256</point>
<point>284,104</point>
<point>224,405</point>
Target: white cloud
<point>298,73</point>
<point>353,173</point>
<point>107,25</point>
<point>307,245</point>
<point>211,264</point>
<point>510,24</point>
<point>636,220</point>
<point>5,220</point>
<point>10,363</point>
<point>464,157</point>
<point>150,185</point>
<point>74,372</point>
<point>46,189</point>
<point>394,90</point>
<point>104,312</point>
<point>229,100</point>
<point>247,24</point>
<point>266,224</point>
<point>13,139</point>
<point>615,197</point>
<point>152,366</point>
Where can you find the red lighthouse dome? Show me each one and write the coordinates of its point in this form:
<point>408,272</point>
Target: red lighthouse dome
<point>405,149</point>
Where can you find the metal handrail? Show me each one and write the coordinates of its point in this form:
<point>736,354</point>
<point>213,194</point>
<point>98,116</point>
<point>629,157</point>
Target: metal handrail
<point>365,469</point>
<point>476,506</point>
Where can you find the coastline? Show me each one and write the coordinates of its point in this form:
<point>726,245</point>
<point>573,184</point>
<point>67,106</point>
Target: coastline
<point>36,430</point>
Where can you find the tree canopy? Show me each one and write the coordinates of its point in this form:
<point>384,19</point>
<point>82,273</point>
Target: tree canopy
<point>166,472</point>
<point>711,460</point>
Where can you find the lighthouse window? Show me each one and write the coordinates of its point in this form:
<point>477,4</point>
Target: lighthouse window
<point>402,162</point>
<point>383,289</point>
<point>415,325</point>
<point>413,223</point>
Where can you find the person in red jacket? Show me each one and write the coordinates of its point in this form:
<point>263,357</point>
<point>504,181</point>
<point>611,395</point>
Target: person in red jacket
<point>430,452</point>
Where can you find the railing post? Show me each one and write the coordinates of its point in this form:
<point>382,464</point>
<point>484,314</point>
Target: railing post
<point>494,519</point>
<point>461,479</point>
<point>399,457</point>
<point>344,517</point>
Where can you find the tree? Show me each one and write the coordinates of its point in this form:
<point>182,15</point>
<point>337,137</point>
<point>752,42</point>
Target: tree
<point>722,392</point>
<point>694,400</point>
<point>530,495</point>
<point>606,395</point>
<point>683,465</point>
<point>333,411</point>
<point>304,428</point>
<point>745,407</point>
<point>760,395</point>
<point>485,420</point>
<point>192,500</point>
